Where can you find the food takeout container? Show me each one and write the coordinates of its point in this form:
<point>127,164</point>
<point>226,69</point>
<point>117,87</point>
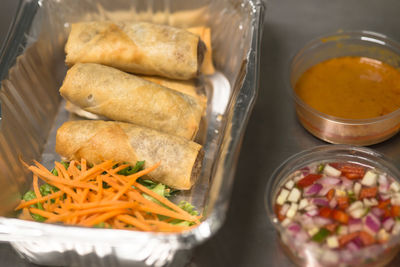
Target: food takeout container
<point>310,254</point>
<point>31,72</point>
<point>338,130</point>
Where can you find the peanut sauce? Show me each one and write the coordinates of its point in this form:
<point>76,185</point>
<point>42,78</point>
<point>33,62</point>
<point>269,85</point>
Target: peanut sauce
<point>351,87</point>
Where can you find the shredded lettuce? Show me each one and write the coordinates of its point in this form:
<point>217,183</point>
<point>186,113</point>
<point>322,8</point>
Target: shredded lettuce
<point>47,189</point>
<point>65,164</point>
<point>29,196</point>
<point>132,169</point>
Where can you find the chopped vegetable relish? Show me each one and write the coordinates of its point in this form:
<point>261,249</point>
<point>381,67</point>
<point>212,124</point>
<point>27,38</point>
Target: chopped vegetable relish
<point>337,209</point>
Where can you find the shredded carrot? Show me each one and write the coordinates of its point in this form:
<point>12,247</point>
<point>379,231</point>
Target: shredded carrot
<point>36,186</point>
<point>88,196</point>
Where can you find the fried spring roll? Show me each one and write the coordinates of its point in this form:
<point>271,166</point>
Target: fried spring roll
<point>142,48</point>
<point>120,96</point>
<point>97,141</point>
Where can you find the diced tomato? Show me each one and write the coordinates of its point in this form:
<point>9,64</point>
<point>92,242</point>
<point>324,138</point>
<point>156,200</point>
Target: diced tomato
<point>368,192</point>
<point>366,238</point>
<point>384,203</point>
<point>395,212</point>
<point>344,239</point>
<point>308,180</point>
<point>343,202</point>
<point>340,216</point>
<point>325,212</point>
<point>331,227</point>
<point>388,212</point>
<point>278,212</point>
<point>330,194</point>
<point>336,165</point>
<point>352,171</point>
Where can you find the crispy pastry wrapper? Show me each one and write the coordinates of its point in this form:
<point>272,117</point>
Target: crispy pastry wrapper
<point>137,47</point>
<point>120,96</point>
<point>205,35</point>
<point>97,140</point>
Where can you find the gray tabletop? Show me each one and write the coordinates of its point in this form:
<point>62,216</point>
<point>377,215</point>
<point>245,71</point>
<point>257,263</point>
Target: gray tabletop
<point>273,133</point>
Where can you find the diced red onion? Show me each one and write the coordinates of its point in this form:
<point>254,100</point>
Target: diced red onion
<point>320,201</point>
<point>355,225</point>
<point>346,254</point>
<point>312,190</point>
<point>377,211</point>
<point>352,246</point>
<point>327,180</point>
<point>294,227</point>
<point>384,188</point>
<point>384,197</point>
<point>382,180</point>
<point>347,184</point>
<point>388,224</point>
<point>306,220</point>
<point>325,190</point>
<point>312,213</point>
<point>358,242</point>
<point>301,237</point>
<point>372,223</point>
<point>333,203</point>
<point>320,221</point>
<point>354,221</point>
<point>305,170</point>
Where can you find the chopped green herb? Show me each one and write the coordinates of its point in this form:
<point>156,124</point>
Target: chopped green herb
<point>321,235</point>
<point>320,168</point>
<point>352,197</point>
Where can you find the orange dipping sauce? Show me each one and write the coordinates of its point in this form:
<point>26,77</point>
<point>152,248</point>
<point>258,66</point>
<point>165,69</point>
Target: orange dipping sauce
<point>351,87</point>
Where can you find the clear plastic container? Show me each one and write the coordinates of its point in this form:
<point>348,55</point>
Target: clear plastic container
<point>338,130</point>
<point>310,253</point>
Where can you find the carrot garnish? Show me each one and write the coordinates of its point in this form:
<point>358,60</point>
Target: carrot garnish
<point>100,196</point>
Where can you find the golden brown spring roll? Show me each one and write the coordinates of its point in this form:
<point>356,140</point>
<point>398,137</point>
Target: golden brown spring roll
<point>97,141</point>
<point>142,48</point>
<point>187,87</point>
<point>205,35</point>
<point>120,96</point>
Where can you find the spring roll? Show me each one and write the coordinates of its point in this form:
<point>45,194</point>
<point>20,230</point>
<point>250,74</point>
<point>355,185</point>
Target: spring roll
<point>137,47</point>
<point>205,35</point>
<point>97,141</point>
<point>120,96</point>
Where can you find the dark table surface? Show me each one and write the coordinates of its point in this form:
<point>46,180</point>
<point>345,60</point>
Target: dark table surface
<point>273,133</point>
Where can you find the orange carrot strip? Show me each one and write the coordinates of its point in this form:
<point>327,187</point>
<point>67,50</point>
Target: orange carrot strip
<point>25,204</point>
<point>100,187</point>
<point>101,218</point>
<point>41,212</point>
<point>63,170</point>
<point>133,178</point>
<point>84,195</point>
<point>54,178</point>
<point>163,200</point>
<point>83,165</point>
<point>135,222</point>
<point>95,170</point>
<point>36,186</point>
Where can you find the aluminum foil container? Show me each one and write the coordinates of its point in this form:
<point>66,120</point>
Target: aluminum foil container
<point>31,72</point>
